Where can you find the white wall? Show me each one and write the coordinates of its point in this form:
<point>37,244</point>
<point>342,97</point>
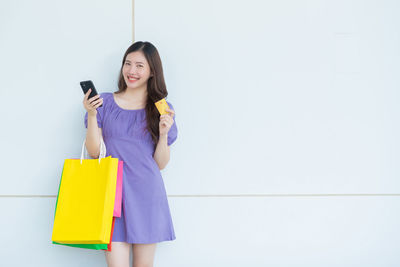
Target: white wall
<point>287,114</point>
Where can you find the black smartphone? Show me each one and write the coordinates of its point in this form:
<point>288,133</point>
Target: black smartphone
<point>86,85</point>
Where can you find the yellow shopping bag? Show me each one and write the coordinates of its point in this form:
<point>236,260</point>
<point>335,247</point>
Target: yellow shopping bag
<point>86,198</point>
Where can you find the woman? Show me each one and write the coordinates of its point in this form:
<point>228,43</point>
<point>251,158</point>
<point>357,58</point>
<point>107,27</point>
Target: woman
<point>134,131</point>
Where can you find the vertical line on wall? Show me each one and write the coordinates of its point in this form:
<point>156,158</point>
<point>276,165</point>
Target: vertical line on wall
<point>133,21</point>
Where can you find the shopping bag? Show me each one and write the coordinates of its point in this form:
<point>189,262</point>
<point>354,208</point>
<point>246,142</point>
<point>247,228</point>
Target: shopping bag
<point>117,213</point>
<point>86,200</point>
<point>118,192</point>
<point>112,231</point>
<point>88,246</point>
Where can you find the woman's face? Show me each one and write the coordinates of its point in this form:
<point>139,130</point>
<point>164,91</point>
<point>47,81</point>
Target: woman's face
<point>136,70</point>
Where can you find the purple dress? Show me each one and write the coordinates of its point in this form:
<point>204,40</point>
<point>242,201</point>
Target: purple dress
<point>145,215</point>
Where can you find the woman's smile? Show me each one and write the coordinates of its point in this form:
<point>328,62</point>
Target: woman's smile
<point>131,79</point>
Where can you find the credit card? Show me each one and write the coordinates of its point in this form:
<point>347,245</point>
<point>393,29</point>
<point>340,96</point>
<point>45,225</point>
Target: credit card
<point>162,105</point>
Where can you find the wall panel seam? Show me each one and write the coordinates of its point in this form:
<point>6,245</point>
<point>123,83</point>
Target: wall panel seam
<point>235,195</point>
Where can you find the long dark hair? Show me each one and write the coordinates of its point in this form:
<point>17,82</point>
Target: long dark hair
<point>156,88</point>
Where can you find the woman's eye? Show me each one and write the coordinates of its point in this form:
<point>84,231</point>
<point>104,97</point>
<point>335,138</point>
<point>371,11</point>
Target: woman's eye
<point>140,66</point>
<point>127,64</point>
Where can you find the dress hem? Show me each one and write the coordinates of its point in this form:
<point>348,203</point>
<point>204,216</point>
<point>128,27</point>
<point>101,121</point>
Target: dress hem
<point>130,241</point>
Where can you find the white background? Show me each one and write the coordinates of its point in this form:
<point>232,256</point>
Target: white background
<point>287,113</point>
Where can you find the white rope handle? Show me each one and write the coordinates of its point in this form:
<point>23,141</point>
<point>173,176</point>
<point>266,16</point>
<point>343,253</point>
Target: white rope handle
<point>102,150</point>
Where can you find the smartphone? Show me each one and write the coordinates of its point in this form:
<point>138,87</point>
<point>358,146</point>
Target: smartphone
<point>86,85</point>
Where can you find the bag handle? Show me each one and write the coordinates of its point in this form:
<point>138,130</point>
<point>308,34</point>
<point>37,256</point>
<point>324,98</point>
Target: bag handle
<point>102,150</point>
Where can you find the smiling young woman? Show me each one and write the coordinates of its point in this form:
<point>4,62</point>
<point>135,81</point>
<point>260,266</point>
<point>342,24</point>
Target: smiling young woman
<point>134,131</point>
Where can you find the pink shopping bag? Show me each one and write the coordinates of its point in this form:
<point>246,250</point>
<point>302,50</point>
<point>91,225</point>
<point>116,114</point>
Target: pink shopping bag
<point>118,192</point>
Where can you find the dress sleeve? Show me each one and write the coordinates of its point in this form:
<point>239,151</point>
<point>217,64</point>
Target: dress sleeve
<point>100,114</point>
<point>173,131</point>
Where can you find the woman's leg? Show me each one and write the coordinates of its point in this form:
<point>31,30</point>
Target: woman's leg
<point>143,254</point>
<point>119,255</point>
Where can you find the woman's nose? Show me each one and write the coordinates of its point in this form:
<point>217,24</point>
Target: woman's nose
<point>133,70</point>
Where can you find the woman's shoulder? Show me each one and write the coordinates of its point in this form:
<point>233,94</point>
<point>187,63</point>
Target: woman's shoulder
<point>106,97</point>
<point>169,104</point>
<point>106,101</point>
<point>106,94</point>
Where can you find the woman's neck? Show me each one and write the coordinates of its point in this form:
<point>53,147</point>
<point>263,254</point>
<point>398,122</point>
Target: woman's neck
<point>136,95</point>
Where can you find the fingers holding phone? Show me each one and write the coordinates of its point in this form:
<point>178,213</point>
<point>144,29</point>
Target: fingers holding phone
<point>91,104</point>
<point>92,99</point>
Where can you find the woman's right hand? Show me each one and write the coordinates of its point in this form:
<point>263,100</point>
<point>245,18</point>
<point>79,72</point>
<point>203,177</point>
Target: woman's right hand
<point>92,104</point>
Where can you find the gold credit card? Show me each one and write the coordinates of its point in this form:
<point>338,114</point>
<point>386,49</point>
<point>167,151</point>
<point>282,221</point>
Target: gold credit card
<point>162,105</point>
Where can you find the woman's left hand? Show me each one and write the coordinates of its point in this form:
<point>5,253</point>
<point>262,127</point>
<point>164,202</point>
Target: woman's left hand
<point>166,121</point>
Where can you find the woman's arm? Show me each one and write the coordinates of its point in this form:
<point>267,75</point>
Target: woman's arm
<point>93,134</point>
<point>162,152</point>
